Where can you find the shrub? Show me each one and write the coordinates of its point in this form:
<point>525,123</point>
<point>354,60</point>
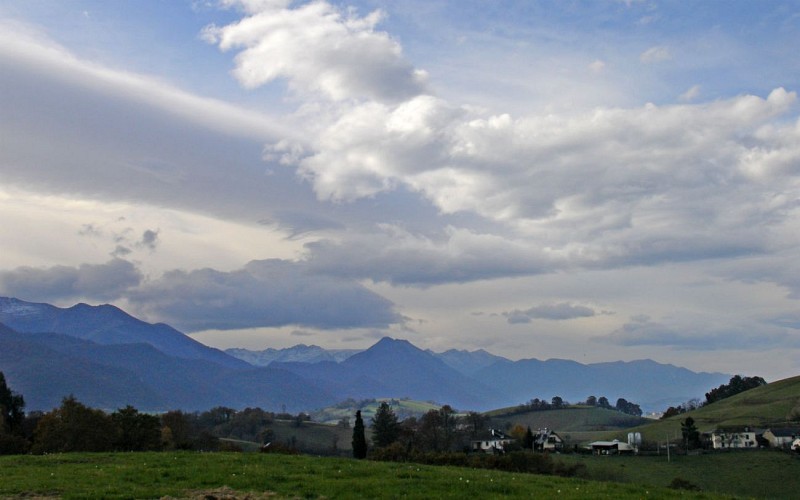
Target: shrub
<point>683,484</point>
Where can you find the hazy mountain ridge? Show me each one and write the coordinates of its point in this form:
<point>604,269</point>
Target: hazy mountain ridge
<point>106,324</point>
<point>299,353</point>
<point>124,360</point>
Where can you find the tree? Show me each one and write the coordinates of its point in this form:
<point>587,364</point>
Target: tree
<point>178,430</point>
<point>74,427</point>
<point>359,439</point>
<point>136,431</point>
<point>527,441</point>
<point>736,385</point>
<point>628,407</point>
<point>591,401</point>
<point>11,408</point>
<point>691,436</point>
<point>557,402</point>
<point>385,427</point>
<point>602,402</point>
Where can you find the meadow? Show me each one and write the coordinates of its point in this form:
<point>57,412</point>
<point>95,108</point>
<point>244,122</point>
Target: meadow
<point>253,475</point>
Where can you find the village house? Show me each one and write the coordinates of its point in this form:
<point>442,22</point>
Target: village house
<point>547,440</point>
<point>729,438</point>
<point>781,437</point>
<point>493,441</point>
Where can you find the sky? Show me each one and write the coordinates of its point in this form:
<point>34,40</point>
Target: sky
<point>597,181</point>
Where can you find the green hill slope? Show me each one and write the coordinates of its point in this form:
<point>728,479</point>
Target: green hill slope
<point>772,405</point>
<point>575,424</point>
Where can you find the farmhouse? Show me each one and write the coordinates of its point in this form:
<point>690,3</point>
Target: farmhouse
<point>494,441</point>
<point>724,439</point>
<point>781,437</point>
<point>547,440</point>
<point>614,447</point>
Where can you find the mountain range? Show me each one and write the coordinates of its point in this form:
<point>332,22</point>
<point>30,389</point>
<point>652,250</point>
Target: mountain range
<point>109,359</point>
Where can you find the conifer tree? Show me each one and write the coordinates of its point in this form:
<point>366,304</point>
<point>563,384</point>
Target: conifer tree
<point>11,407</point>
<point>527,440</point>
<point>359,438</point>
<point>385,427</point>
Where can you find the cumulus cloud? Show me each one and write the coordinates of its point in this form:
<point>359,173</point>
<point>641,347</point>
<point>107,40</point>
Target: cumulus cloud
<point>612,187</point>
<point>555,312</point>
<point>267,293</point>
<point>318,48</point>
<point>95,282</point>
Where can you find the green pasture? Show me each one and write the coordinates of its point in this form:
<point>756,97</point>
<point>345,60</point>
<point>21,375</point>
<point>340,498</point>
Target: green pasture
<point>253,475</point>
<point>745,473</point>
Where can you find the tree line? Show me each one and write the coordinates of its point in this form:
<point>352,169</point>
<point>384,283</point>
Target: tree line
<point>74,426</point>
<point>557,403</point>
<point>736,385</point>
<point>441,437</point>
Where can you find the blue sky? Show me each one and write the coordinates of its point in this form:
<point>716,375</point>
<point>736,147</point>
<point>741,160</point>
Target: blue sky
<point>584,180</point>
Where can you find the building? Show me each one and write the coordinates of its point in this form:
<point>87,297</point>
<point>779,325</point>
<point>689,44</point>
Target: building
<point>781,437</point>
<point>494,441</point>
<point>726,439</point>
<point>614,447</point>
<point>547,440</point>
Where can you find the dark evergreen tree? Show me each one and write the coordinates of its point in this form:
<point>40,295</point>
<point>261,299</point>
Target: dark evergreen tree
<point>527,441</point>
<point>691,436</point>
<point>12,407</point>
<point>385,427</point>
<point>359,438</point>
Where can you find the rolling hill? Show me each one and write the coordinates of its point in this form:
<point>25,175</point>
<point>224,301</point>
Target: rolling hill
<point>773,405</point>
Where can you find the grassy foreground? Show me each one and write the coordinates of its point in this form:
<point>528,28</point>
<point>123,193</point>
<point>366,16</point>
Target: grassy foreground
<point>751,473</point>
<point>238,475</point>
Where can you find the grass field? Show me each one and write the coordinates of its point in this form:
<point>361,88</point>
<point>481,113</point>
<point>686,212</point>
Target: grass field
<point>253,475</point>
<point>575,424</point>
<point>746,473</point>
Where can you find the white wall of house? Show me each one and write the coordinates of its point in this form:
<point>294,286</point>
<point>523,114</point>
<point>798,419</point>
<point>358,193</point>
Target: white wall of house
<point>734,440</point>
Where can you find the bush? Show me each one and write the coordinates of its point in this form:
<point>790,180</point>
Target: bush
<point>683,484</point>
<point>13,445</point>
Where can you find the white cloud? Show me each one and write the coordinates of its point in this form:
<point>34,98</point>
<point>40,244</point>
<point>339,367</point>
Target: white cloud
<point>655,54</point>
<point>555,312</point>
<point>318,48</point>
<point>597,66</point>
<point>691,94</point>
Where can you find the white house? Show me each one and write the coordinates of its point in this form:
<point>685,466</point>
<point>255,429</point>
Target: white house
<point>547,440</point>
<point>493,441</point>
<point>734,439</point>
<point>781,437</point>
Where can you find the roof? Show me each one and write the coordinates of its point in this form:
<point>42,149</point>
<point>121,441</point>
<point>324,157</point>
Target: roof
<point>784,431</point>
